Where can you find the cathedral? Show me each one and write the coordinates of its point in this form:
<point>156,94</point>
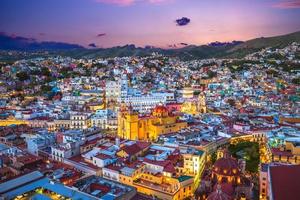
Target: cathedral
<point>148,127</point>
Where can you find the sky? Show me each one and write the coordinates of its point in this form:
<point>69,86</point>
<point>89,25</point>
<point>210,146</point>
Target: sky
<point>107,23</point>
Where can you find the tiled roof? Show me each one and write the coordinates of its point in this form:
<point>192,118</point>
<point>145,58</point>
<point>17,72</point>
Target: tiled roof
<point>285,182</point>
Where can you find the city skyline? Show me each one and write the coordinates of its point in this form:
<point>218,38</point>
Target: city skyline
<point>160,23</point>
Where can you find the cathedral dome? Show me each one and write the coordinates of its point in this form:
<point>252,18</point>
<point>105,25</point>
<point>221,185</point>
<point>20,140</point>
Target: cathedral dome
<point>160,109</point>
<point>226,167</point>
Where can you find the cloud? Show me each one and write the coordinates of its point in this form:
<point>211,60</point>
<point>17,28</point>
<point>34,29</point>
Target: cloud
<point>287,4</point>
<point>183,21</point>
<point>183,44</point>
<point>101,34</point>
<point>16,37</point>
<point>42,34</point>
<point>92,45</point>
<point>117,2</point>
<point>130,2</point>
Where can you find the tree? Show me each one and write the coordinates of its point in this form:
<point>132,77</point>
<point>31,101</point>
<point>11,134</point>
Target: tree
<point>22,76</point>
<point>46,88</point>
<point>211,74</point>
<point>296,81</point>
<point>45,71</point>
<point>213,157</point>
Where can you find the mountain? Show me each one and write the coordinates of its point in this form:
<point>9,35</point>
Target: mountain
<point>257,44</point>
<point>28,44</point>
<point>235,49</point>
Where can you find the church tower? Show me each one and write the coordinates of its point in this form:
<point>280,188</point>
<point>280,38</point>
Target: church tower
<point>127,123</point>
<point>201,106</point>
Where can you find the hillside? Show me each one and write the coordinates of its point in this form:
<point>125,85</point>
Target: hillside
<point>228,50</point>
<point>260,43</point>
<point>235,50</point>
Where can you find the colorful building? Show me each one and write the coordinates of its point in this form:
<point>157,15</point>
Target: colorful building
<point>195,106</point>
<point>134,127</point>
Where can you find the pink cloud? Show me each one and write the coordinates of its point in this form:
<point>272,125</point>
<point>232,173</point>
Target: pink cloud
<point>117,2</point>
<point>130,2</point>
<point>287,4</point>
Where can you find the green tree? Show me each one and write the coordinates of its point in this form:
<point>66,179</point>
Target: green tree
<point>45,71</point>
<point>22,76</point>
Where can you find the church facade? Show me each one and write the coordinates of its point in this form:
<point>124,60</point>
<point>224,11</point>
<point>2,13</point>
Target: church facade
<point>131,126</point>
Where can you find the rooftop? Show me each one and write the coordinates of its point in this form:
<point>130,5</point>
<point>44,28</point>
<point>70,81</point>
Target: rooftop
<point>285,182</point>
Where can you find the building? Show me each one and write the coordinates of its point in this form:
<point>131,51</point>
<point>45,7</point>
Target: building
<point>288,153</point>
<point>193,106</point>
<point>104,119</point>
<point>284,182</point>
<point>145,103</point>
<point>188,93</point>
<point>134,127</point>
<point>35,185</point>
<point>158,180</point>
<point>80,121</point>
<point>263,181</point>
<point>39,142</point>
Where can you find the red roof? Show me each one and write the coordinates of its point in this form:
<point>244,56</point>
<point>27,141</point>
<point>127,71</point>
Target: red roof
<point>103,156</point>
<point>219,195</point>
<point>135,148</point>
<point>143,145</point>
<point>285,182</point>
<point>131,149</point>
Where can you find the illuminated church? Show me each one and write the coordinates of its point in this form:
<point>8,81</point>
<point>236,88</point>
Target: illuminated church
<point>134,127</point>
<point>195,106</point>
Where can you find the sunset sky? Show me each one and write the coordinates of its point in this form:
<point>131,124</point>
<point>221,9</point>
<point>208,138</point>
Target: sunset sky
<point>147,22</point>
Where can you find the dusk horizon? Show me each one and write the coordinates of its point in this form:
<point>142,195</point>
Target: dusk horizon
<point>109,23</point>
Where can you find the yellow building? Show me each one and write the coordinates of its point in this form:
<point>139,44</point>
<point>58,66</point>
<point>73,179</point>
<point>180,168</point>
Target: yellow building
<point>194,107</point>
<point>290,153</point>
<point>193,165</point>
<point>13,121</point>
<point>162,187</point>
<point>95,106</point>
<point>133,127</point>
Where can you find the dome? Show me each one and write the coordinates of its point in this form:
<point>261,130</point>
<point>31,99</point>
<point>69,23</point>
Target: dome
<point>226,167</point>
<point>160,109</point>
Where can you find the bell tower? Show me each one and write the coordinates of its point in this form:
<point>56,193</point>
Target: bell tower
<point>201,106</point>
<point>127,122</point>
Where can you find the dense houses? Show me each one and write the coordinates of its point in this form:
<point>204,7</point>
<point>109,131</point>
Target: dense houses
<point>152,127</point>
